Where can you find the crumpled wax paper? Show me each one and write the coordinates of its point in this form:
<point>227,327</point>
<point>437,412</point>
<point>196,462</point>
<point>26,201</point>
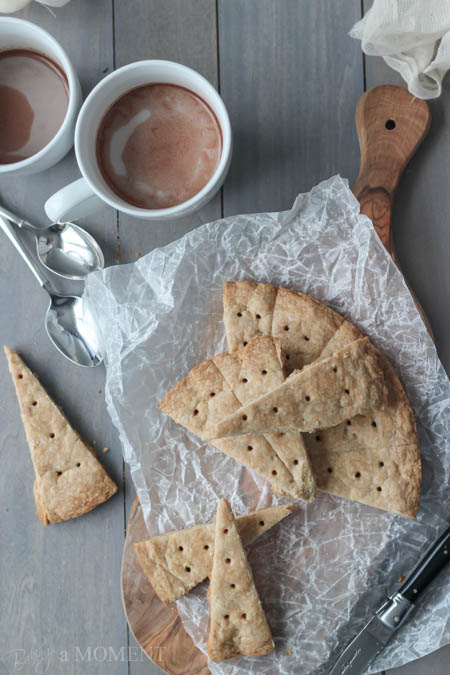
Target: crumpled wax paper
<point>323,571</point>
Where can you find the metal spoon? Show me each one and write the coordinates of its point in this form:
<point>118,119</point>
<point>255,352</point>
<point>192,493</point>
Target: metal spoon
<point>63,248</point>
<point>69,324</point>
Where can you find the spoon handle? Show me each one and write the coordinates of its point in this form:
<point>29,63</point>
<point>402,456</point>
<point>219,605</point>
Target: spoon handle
<point>20,222</point>
<point>8,229</point>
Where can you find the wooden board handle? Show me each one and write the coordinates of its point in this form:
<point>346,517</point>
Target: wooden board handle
<point>391,124</point>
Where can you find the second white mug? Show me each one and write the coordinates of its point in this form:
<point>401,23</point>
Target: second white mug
<point>20,34</point>
<point>91,191</point>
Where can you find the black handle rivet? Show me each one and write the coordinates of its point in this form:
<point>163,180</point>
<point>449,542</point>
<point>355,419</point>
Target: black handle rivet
<point>396,619</point>
<point>415,590</point>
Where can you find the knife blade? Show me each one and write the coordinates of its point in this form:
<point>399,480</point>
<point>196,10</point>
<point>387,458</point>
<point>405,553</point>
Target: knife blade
<point>393,612</point>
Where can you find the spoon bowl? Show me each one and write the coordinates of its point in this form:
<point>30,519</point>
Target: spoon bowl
<point>68,250</point>
<point>63,248</point>
<point>71,328</point>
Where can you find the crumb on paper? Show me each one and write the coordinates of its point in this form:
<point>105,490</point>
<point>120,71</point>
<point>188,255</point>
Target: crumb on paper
<point>401,579</point>
<point>6,510</point>
<point>99,391</point>
<point>105,450</point>
<point>289,651</point>
<point>138,255</point>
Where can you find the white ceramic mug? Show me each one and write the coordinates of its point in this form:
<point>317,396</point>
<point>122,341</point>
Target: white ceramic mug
<point>90,192</point>
<point>20,34</point>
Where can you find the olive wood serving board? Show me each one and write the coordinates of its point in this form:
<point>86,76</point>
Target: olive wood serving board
<point>157,627</point>
<point>391,124</point>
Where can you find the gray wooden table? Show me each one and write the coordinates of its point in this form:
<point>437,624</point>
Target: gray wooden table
<point>290,76</point>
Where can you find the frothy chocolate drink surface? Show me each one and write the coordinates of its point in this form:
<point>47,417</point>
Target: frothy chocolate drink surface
<point>158,145</point>
<point>34,96</point>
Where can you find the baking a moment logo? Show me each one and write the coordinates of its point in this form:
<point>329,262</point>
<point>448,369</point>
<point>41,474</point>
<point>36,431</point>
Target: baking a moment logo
<point>39,661</point>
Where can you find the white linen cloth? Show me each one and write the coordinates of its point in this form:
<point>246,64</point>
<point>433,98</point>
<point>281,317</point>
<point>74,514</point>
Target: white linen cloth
<point>413,37</point>
<point>7,6</point>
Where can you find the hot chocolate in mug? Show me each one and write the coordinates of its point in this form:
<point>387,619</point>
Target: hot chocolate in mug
<point>40,97</point>
<point>153,140</point>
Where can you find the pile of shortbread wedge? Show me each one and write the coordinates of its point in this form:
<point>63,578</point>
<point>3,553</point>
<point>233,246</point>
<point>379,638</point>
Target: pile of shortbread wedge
<point>177,561</point>
<point>306,401</point>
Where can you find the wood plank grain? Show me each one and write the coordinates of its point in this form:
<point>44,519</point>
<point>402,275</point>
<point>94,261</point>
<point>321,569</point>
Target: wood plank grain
<point>250,33</point>
<point>59,586</point>
<point>290,76</point>
<point>156,626</point>
<point>420,233</point>
<point>177,31</point>
<point>143,665</point>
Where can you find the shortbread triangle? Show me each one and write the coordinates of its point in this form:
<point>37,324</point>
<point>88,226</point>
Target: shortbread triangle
<point>69,479</point>
<point>238,624</point>
<point>247,311</point>
<point>324,394</point>
<point>304,325</point>
<point>372,459</point>
<point>175,562</point>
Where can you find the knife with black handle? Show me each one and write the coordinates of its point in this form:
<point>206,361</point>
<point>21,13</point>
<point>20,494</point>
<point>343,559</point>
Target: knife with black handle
<point>393,612</point>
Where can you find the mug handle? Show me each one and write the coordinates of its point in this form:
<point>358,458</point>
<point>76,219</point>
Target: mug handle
<point>72,201</point>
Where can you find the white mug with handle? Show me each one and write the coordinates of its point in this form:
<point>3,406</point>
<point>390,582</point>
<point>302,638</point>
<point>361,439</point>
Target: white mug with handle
<point>91,191</point>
